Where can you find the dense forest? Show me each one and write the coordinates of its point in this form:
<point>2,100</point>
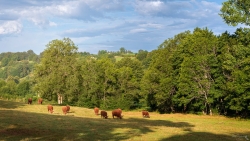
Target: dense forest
<point>192,72</point>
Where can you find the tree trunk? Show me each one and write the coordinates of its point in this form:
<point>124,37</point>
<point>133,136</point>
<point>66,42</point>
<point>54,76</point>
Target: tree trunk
<point>59,99</point>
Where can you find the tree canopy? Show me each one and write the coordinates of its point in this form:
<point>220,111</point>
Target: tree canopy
<point>236,12</point>
<point>56,72</point>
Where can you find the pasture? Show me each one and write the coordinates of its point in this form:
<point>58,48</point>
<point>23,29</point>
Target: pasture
<point>20,121</point>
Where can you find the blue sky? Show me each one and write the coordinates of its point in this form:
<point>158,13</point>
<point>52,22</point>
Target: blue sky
<point>95,25</point>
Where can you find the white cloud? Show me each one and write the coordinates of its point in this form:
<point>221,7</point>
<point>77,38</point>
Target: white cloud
<point>52,23</point>
<point>85,10</point>
<point>211,5</point>
<point>63,9</point>
<point>138,30</point>
<point>80,39</point>
<point>149,7</point>
<point>186,9</point>
<point>10,27</point>
<point>152,25</point>
<point>39,12</point>
<point>103,24</point>
<point>106,5</point>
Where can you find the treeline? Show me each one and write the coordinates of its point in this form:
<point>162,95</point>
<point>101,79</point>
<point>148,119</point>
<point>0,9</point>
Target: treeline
<point>18,64</point>
<point>193,72</point>
<point>8,58</point>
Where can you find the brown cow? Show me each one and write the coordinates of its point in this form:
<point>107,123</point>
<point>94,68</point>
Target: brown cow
<point>50,109</point>
<point>120,110</point>
<point>96,110</point>
<point>29,100</point>
<point>40,101</point>
<point>145,114</point>
<point>117,113</point>
<point>104,114</point>
<point>64,109</point>
<point>68,108</point>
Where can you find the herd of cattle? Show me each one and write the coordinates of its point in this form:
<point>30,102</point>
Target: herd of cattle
<point>115,113</point>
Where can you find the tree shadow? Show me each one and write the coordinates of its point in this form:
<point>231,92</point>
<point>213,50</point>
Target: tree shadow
<point>205,136</point>
<point>10,104</point>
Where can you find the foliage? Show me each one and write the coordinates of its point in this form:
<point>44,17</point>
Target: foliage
<point>24,88</point>
<point>234,12</point>
<point>56,72</point>
<point>235,67</point>
<point>19,64</point>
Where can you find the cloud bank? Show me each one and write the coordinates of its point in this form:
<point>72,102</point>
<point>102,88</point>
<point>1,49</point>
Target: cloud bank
<point>103,24</point>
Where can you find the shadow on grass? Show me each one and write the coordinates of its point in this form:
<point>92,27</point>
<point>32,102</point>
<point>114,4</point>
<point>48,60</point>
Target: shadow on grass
<point>10,104</point>
<point>204,136</point>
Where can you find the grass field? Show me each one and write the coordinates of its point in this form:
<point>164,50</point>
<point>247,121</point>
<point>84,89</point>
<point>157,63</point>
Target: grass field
<point>20,121</point>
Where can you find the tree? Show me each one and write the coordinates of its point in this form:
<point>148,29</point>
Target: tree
<point>91,93</point>
<point>3,73</point>
<point>196,78</point>
<point>10,87</point>
<point>129,74</point>
<point>102,52</point>
<point>142,54</point>
<point>122,50</point>
<point>235,62</point>
<point>234,12</point>
<point>2,83</point>
<point>160,80</point>
<point>106,79</point>
<point>4,62</point>
<point>56,72</point>
<point>23,88</point>
<point>134,64</point>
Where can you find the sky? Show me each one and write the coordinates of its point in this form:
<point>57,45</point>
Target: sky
<point>95,25</point>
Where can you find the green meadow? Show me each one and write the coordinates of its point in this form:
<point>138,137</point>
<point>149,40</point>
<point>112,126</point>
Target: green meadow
<point>22,122</point>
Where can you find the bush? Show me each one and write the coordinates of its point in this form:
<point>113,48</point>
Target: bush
<point>87,101</point>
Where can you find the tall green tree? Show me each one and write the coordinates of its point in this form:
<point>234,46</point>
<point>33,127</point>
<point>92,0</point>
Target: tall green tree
<point>92,94</point>
<point>196,78</point>
<point>56,73</point>
<point>106,80</point>
<point>159,84</point>
<point>129,74</point>
<point>235,67</point>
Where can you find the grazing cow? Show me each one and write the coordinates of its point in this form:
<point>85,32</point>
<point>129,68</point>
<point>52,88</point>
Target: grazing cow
<point>145,114</point>
<point>64,109</point>
<point>117,113</point>
<point>29,100</point>
<point>96,110</point>
<point>68,108</point>
<point>104,114</point>
<point>50,109</point>
<point>120,110</point>
<point>40,101</point>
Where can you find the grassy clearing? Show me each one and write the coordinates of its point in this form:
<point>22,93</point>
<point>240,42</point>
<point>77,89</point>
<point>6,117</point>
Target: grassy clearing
<point>119,58</point>
<point>19,121</point>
